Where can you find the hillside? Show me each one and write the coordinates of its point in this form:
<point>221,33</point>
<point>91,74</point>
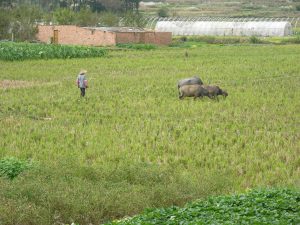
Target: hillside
<point>235,8</point>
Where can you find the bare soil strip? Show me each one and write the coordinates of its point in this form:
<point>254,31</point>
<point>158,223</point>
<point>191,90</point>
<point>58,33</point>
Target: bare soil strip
<point>13,84</point>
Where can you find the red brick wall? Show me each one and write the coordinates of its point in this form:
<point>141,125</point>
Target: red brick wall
<point>44,33</point>
<point>69,34</point>
<point>159,38</point>
<point>128,37</point>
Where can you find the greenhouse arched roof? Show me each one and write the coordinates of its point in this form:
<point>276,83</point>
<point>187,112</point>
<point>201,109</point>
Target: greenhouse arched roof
<point>220,28</point>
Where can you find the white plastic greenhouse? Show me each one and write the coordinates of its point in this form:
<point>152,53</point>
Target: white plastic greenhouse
<point>219,28</point>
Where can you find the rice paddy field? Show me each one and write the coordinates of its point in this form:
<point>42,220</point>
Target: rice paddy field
<point>131,144</point>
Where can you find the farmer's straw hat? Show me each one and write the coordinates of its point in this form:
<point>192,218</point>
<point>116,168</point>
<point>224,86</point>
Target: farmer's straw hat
<point>82,72</point>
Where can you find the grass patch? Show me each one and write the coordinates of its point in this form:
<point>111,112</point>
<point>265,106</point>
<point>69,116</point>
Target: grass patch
<point>291,40</point>
<point>197,41</point>
<point>11,84</point>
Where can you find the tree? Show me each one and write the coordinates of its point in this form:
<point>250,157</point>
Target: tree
<point>64,16</point>
<point>109,19</point>
<point>85,17</point>
<point>23,21</point>
<point>112,5</point>
<point>5,18</point>
<point>163,12</point>
<point>134,19</point>
<point>96,6</point>
<point>131,5</point>
<point>18,23</point>
<point>6,3</point>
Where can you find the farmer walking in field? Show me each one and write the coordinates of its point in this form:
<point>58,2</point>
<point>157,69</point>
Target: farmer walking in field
<point>82,82</point>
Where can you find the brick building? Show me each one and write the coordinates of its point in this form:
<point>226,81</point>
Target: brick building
<point>100,36</point>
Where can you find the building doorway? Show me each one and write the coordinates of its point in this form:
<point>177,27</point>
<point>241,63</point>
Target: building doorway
<point>55,37</point>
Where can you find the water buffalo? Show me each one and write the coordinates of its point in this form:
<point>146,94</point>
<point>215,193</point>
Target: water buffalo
<point>189,81</point>
<point>193,90</point>
<point>214,91</point>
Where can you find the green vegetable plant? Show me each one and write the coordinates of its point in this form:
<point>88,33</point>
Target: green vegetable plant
<point>11,167</point>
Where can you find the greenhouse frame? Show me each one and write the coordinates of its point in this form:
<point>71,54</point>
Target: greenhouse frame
<point>225,28</point>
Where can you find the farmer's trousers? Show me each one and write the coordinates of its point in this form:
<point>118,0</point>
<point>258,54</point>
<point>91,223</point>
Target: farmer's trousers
<point>82,90</point>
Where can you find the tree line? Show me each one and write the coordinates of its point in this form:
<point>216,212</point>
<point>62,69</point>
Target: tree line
<point>77,5</point>
<point>18,18</point>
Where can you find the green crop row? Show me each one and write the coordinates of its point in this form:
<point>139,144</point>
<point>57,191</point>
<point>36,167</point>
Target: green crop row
<point>274,206</point>
<point>10,51</point>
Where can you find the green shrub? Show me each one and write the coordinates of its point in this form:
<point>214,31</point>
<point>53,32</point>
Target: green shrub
<point>109,19</point>
<point>64,16</point>
<point>134,19</point>
<point>163,12</point>
<point>5,24</point>
<point>183,38</point>
<point>298,7</point>
<point>207,39</point>
<point>18,23</point>
<point>85,17</point>
<point>178,41</point>
<point>137,46</point>
<point>11,167</point>
<point>254,40</point>
<point>292,40</point>
<point>296,31</point>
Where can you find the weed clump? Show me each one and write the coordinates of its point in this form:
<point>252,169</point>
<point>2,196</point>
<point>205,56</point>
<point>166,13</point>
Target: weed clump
<point>11,167</point>
<point>137,46</point>
<point>254,40</point>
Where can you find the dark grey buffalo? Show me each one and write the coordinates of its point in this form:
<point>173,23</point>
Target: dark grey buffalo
<point>189,81</point>
<point>214,91</point>
<point>193,90</point>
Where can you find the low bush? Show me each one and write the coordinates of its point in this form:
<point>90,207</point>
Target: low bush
<point>137,46</point>
<point>183,38</point>
<point>208,39</point>
<point>163,12</point>
<point>254,40</point>
<point>292,40</point>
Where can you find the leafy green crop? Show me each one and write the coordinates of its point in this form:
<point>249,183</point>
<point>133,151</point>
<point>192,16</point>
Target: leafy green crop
<point>273,206</point>
<point>19,51</point>
<point>11,167</point>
